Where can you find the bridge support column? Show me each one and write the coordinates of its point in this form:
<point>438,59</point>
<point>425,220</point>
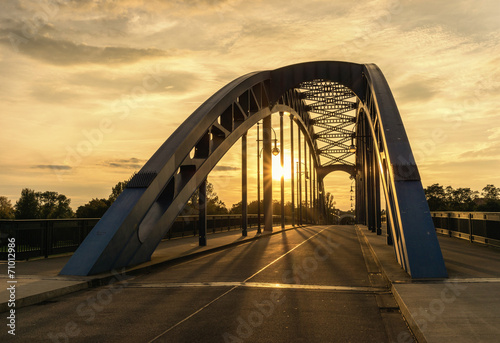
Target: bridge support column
<point>388,214</point>
<point>305,181</point>
<point>314,200</point>
<point>376,178</point>
<point>282,162</point>
<point>299,179</point>
<point>268,175</point>
<point>311,205</point>
<point>258,179</point>
<point>292,166</point>
<point>244,188</point>
<point>202,213</point>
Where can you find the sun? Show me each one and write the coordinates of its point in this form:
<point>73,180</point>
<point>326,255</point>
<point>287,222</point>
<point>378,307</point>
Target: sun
<point>286,171</point>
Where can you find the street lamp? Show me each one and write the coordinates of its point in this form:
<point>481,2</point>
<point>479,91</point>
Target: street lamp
<point>275,151</point>
<point>352,148</point>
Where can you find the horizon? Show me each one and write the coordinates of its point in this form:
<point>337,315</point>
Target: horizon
<point>90,90</point>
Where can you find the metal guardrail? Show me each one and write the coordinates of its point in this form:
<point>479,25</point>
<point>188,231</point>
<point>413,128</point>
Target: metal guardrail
<point>44,237</point>
<point>476,227</point>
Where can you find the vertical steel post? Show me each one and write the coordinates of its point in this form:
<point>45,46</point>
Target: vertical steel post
<point>305,180</point>
<point>202,213</point>
<point>282,162</point>
<point>371,181</point>
<point>314,197</point>
<point>299,180</point>
<point>366,177</point>
<point>268,175</point>
<point>311,172</point>
<point>387,208</point>
<point>244,188</point>
<point>259,231</point>
<point>376,179</point>
<point>292,166</point>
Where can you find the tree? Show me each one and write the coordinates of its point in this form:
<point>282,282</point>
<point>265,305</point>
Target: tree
<point>460,199</point>
<point>46,205</point>
<point>6,209</point>
<point>436,197</point>
<point>214,204</point>
<point>95,208</point>
<point>27,207</point>
<point>329,205</point>
<point>490,192</point>
<point>53,205</point>
<point>237,208</point>
<point>117,190</point>
<point>492,196</point>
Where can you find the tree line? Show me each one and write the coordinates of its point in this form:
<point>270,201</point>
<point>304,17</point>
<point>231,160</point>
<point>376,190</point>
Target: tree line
<point>442,198</point>
<point>52,205</point>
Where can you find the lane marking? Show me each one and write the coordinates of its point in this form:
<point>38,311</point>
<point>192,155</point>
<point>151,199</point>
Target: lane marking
<point>233,288</point>
<point>260,285</point>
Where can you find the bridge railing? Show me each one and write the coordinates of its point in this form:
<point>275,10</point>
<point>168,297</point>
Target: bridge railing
<point>479,227</point>
<point>44,237</point>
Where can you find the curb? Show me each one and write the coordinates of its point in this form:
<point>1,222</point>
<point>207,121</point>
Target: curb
<point>44,296</point>
<point>415,329</point>
<point>419,335</point>
<point>105,279</point>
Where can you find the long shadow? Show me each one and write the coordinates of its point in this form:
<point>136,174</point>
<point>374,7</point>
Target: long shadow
<point>345,262</point>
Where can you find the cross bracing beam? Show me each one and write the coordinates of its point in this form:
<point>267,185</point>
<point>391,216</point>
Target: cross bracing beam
<point>131,229</point>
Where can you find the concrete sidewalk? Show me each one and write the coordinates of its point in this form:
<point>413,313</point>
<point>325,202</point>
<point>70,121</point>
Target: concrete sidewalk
<point>463,308</point>
<point>38,280</point>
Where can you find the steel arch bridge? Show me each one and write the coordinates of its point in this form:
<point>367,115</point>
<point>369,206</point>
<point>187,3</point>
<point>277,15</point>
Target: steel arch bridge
<point>342,109</point>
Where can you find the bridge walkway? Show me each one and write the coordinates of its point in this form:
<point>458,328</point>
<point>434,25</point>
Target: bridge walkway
<point>464,308</point>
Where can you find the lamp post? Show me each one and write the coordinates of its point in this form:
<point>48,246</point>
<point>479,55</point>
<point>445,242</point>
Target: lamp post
<point>299,186</point>
<point>275,151</point>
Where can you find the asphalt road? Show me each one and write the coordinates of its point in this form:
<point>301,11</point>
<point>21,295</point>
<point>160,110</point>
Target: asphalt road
<point>313,284</point>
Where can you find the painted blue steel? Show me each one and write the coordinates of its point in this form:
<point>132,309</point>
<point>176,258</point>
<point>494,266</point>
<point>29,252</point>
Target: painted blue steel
<point>132,228</point>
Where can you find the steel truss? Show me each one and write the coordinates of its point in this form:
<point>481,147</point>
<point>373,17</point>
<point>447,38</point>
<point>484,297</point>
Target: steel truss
<point>344,101</point>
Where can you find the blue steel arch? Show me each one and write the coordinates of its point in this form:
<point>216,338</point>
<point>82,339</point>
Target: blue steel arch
<point>131,229</point>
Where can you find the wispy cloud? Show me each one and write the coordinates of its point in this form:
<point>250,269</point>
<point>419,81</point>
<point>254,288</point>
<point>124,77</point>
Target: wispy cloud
<point>225,168</point>
<point>130,163</point>
<point>52,167</point>
<point>65,53</point>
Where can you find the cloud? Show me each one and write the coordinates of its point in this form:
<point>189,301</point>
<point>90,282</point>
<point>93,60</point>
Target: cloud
<point>52,93</point>
<point>130,163</point>
<point>417,91</point>
<point>64,52</point>
<point>52,166</point>
<point>111,82</point>
<point>225,168</point>
<point>488,152</point>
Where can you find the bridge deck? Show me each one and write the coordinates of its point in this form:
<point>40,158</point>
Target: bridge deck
<point>320,284</point>
<point>305,285</point>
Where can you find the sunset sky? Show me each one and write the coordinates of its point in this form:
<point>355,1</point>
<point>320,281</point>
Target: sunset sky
<point>90,89</point>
